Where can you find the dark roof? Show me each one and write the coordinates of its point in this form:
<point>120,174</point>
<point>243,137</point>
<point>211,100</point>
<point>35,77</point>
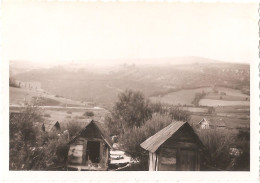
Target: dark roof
<point>49,125</point>
<point>104,135</point>
<point>155,141</point>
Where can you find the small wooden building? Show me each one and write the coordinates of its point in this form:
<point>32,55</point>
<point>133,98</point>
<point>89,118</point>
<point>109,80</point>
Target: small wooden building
<point>175,147</point>
<point>51,126</point>
<point>204,124</point>
<point>90,148</point>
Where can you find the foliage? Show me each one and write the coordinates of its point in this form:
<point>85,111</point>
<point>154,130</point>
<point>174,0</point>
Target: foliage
<point>243,143</point>
<point>211,110</point>
<point>30,148</point>
<point>133,137</point>
<point>179,115</point>
<point>131,109</point>
<point>217,144</point>
<point>13,83</point>
<point>197,98</point>
<point>89,114</point>
<point>47,115</point>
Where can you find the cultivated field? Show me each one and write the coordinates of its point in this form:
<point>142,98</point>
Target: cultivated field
<point>182,97</point>
<point>19,96</point>
<point>211,102</point>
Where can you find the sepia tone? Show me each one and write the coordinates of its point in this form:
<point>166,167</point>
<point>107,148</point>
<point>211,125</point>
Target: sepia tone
<point>94,87</point>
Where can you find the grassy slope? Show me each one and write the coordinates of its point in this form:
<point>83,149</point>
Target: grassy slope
<point>151,80</point>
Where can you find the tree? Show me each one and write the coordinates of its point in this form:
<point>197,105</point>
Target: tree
<point>131,109</point>
<point>211,110</point>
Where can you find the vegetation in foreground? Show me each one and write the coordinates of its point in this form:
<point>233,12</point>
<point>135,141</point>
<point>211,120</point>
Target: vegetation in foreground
<point>133,129</point>
<point>33,149</point>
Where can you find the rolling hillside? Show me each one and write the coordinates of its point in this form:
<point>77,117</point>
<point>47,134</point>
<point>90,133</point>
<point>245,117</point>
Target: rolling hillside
<point>102,88</point>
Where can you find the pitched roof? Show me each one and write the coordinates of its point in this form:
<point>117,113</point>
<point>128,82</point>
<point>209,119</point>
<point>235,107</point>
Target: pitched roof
<point>104,135</point>
<point>204,119</point>
<point>48,126</point>
<point>155,141</point>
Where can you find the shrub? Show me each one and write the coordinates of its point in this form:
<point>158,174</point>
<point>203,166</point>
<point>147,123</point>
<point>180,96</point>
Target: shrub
<point>88,114</point>
<point>13,83</point>
<point>47,115</point>
<point>217,144</point>
<point>243,143</point>
<point>179,115</point>
<point>29,147</point>
<point>80,117</point>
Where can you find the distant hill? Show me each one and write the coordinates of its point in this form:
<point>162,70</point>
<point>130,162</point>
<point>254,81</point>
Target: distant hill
<point>82,84</point>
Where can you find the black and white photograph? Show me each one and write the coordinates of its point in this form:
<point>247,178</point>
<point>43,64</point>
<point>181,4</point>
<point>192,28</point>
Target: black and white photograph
<point>130,86</point>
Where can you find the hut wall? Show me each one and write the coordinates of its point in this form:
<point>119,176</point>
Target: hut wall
<point>180,152</point>
<point>167,159</point>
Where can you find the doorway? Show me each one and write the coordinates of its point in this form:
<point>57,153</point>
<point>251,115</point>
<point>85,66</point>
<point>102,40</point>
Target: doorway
<point>93,151</point>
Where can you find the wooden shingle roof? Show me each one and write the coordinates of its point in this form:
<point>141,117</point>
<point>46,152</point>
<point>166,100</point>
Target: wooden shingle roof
<point>104,135</point>
<point>155,141</point>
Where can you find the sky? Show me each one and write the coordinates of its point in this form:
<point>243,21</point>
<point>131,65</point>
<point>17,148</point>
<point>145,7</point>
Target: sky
<point>42,31</point>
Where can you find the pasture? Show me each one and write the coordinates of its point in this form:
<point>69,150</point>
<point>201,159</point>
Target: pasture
<point>233,117</point>
<point>211,102</point>
<point>19,96</point>
<point>222,96</point>
<point>182,97</point>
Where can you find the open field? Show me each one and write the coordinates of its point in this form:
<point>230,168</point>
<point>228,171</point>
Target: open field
<point>233,121</point>
<point>69,114</point>
<point>195,109</point>
<point>19,96</point>
<point>182,97</point>
<point>222,96</point>
<point>211,102</point>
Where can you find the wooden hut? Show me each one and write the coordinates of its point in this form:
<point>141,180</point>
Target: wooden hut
<point>51,126</point>
<point>204,124</point>
<point>175,147</point>
<point>90,148</point>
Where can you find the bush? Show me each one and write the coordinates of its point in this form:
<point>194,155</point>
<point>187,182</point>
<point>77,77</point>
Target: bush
<point>47,115</point>
<point>179,115</point>
<point>217,144</point>
<point>88,114</point>
<point>13,83</point>
<point>243,143</point>
<point>29,147</point>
